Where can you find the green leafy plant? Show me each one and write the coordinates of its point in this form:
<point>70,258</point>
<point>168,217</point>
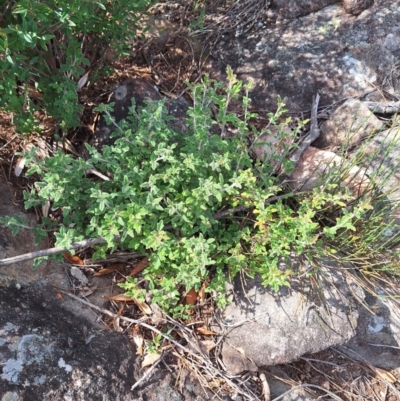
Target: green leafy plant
<point>154,346</point>
<point>47,46</point>
<point>198,203</point>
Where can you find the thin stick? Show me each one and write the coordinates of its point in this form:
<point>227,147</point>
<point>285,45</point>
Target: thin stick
<point>333,395</point>
<point>147,373</point>
<point>265,386</point>
<point>53,251</point>
<point>314,131</point>
<point>95,172</point>
<point>15,135</point>
<point>383,345</point>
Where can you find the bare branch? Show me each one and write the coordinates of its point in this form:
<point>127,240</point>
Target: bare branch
<point>54,251</point>
<point>314,132</point>
<point>148,373</point>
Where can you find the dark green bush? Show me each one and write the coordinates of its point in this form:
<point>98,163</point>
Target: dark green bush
<point>47,46</point>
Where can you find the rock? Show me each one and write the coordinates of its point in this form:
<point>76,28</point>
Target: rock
<point>328,51</point>
<point>165,386</point>
<point>315,166</point>
<point>279,328</point>
<point>142,91</point>
<point>291,9</point>
<point>356,7</point>
<point>381,157</point>
<point>348,125</point>
<point>378,333</point>
<point>298,395</point>
<point>271,147</point>
<point>236,361</point>
<point>392,41</point>
<point>48,353</point>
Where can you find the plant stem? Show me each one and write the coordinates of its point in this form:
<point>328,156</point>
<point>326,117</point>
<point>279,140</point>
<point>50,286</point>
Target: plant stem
<point>54,251</point>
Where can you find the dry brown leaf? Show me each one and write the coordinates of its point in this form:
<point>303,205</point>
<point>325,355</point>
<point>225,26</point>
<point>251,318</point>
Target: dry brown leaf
<point>265,387</point>
<point>215,383</point>
<point>83,81</point>
<point>109,269</point>
<point>202,291</point>
<point>71,148</point>
<point>206,332</point>
<point>205,346</point>
<point>138,340</point>
<point>34,93</point>
<point>121,298</point>
<point>208,345</point>
<point>157,317</point>
<point>116,325</point>
<point>46,208</point>
<point>385,375</point>
<point>150,359</point>
<point>140,266</point>
<point>143,306</point>
<point>191,297</point>
<point>325,384</point>
<point>76,260</point>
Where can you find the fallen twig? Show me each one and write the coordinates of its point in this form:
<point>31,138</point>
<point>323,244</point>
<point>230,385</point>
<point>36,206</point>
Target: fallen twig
<point>53,251</point>
<point>265,386</point>
<point>333,395</point>
<point>314,132</point>
<point>95,172</point>
<point>148,373</point>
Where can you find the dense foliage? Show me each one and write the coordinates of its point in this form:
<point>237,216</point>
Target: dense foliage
<point>46,46</point>
<point>197,203</point>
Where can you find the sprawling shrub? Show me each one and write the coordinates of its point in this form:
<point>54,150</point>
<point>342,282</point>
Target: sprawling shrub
<point>197,203</point>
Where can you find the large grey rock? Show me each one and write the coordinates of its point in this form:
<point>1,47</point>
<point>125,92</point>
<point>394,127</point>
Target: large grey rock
<point>356,7</point>
<point>378,331</point>
<point>381,158</point>
<point>291,9</point>
<point>348,125</point>
<point>271,329</point>
<point>48,353</point>
<point>328,51</point>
